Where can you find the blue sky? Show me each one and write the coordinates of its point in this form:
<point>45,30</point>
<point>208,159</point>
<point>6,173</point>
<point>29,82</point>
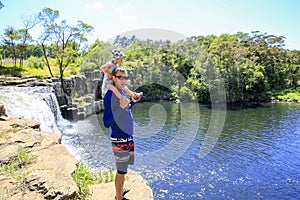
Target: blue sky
<point>185,17</point>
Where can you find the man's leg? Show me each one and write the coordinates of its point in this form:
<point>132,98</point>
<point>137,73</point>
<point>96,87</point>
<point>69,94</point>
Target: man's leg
<point>119,183</point>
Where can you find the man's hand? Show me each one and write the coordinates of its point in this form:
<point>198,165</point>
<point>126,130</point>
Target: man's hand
<point>124,102</point>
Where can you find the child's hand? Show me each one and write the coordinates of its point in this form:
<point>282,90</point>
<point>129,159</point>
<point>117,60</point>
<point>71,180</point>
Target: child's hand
<point>137,96</point>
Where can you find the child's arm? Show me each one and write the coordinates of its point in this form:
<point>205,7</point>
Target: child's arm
<point>134,96</point>
<point>128,91</point>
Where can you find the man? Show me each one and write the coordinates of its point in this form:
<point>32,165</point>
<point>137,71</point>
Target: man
<point>117,116</point>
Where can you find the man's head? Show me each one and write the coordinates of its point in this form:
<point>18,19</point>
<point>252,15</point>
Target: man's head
<point>119,77</point>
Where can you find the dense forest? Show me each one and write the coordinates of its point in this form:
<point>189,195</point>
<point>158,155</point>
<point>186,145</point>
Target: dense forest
<point>233,68</point>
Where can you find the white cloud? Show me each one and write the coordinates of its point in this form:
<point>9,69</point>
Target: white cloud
<point>94,6</point>
<point>119,10</point>
<point>129,17</point>
<point>125,13</point>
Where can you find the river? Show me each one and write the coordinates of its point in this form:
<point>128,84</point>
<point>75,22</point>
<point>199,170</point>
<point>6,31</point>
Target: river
<point>190,151</point>
<point>185,150</point>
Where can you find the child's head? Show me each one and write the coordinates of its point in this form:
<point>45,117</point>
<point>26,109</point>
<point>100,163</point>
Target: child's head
<point>117,56</point>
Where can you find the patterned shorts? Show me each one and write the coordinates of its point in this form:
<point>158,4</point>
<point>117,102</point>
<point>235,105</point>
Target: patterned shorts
<point>123,149</point>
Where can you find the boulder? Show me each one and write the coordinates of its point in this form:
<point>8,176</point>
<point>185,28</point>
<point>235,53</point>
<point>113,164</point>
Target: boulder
<point>138,189</point>
<point>2,110</point>
<point>48,175</point>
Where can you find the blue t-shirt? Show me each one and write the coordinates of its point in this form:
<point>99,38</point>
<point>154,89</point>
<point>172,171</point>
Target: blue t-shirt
<point>119,120</point>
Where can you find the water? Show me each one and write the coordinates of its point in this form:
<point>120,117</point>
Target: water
<point>36,103</point>
<point>255,156</point>
<point>187,151</point>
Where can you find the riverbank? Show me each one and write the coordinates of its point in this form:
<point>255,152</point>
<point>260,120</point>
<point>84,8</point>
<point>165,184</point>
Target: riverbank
<point>35,165</point>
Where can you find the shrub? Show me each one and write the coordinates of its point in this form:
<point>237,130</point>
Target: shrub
<point>16,163</point>
<point>186,94</point>
<point>88,66</point>
<point>35,62</point>
<point>84,176</point>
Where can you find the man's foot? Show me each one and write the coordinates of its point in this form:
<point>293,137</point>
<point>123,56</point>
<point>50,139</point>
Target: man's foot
<point>123,198</point>
<point>125,191</point>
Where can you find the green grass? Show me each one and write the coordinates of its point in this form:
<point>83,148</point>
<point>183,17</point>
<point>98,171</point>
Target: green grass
<point>39,70</point>
<point>16,163</point>
<point>84,176</point>
<point>10,70</point>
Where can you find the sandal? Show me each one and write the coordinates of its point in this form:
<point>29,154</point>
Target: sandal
<point>125,191</point>
<point>124,198</point>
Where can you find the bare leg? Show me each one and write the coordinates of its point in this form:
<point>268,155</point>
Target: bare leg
<point>115,91</point>
<point>119,183</point>
<point>118,95</point>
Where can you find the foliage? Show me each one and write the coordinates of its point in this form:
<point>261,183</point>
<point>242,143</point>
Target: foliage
<point>288,95</point>
<point>247,66</point>
<point>35,62</point>
<point>13,167</point>
<point>10,70</point>
<point>186,94</point>
<point>65,40</point>
<point>84,176</point>
<point>7,69</point>
<point>98,55</point>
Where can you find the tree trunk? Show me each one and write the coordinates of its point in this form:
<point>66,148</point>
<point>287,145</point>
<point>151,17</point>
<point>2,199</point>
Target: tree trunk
<point>47,61</point>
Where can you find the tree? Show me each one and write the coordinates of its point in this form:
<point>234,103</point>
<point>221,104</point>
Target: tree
<point>11,36</point>
<point>25,37</point>
<point>47,18</point>
<point>1,5</point>
<point>66,40</point>
<point>124,42</point>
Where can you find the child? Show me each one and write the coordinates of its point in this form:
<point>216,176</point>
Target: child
<point>117,58</point>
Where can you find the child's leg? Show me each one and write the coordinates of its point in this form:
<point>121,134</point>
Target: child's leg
<point>115,91</point>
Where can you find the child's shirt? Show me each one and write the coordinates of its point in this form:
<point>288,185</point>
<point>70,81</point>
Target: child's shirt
<point>106,81</point>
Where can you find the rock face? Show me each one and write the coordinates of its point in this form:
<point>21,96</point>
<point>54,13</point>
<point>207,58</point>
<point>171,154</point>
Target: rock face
<point>78,96</point>
<point>49,174</point>
<point>2,109</point>
<point>139,190</point>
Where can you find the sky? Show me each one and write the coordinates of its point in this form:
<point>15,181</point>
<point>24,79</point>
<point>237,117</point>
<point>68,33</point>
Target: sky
<point>167,19</point>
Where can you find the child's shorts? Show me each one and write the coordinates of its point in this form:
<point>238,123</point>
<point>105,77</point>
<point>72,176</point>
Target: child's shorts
<point>105,86</point>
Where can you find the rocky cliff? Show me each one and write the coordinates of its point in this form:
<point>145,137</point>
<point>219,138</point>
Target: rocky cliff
<point>35,165</point>
<point>44,166</point>
<point>79,96</point>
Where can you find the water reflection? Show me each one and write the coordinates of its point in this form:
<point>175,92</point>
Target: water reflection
<point>256,156</point>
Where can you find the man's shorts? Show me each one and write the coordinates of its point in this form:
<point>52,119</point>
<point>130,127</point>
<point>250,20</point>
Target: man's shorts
<point>123,149</point>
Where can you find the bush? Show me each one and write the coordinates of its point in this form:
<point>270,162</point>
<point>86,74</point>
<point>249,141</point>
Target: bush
<point>88,66</point>
<point>186,94</point>
<point>84,176</point>
<point>35,62</point>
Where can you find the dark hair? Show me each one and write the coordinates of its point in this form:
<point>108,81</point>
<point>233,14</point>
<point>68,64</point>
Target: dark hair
<point>118,69</point>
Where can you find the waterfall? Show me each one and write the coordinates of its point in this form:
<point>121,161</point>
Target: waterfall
<point>36,103</point>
